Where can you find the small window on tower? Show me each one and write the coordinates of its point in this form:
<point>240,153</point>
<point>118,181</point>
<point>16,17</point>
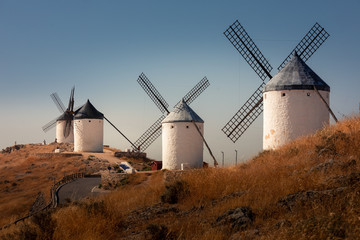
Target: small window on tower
<point>89,120</point>
<point>283,94</point>
<point>172,127</point>
<point>187,126</point>
<point>308,94</point>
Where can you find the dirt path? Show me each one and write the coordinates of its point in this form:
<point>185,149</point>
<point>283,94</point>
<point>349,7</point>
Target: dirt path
<point>106,155</point>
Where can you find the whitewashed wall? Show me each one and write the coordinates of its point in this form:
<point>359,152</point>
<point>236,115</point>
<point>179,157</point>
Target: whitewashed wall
<point>88,135</point>
<point>182,145</point>
<point>293,115</point>
<point>60,126</point>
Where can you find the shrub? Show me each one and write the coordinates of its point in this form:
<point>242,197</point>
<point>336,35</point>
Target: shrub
<point>174,192</point>
<point>157,232</point>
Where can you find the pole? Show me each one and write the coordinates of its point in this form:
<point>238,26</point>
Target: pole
<point>222,158</point>
<point>197,128</point>
<point>121,133</point>
<point>327,105</point>
<point>236,157</point>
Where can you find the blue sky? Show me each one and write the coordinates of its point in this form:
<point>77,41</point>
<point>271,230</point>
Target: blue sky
<point>101,47</point>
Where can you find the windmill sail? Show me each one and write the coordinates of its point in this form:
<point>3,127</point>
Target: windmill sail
<point>59,104</point>
<point>195,91</point>
<point>247,48</point>
<point>69,115</point>
<point>253,107</point>
<point>153,93</point>
<point>150,135</point>
<point>246,115</point>
<point>308,45</point>
<point>49,125</point>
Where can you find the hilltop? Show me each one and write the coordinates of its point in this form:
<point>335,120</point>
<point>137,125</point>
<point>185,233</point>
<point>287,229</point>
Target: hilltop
<point>308,189</point>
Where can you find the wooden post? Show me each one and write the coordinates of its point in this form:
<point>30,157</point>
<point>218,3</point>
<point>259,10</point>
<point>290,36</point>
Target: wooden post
<point>327,105</point>
<point>197,128</point>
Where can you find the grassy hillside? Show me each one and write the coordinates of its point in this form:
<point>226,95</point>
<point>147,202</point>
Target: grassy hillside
<point>27,170</point>
<point>308,189</point>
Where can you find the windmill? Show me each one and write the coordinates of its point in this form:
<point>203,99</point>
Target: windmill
<point>182,139</point>
<point>253,107</point>
<point>154,131</point>
<point>64,126</point>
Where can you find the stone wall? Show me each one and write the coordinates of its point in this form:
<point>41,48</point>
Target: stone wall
<point>130,154</point>
<point>46,155</point>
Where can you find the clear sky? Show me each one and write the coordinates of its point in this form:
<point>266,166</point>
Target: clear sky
<point>101,47</point>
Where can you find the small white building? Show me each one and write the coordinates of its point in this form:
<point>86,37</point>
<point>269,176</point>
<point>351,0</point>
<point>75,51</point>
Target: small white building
<point>88,129</point>
<point>60,129</point>
<point>182,145</point>
<point>292,108</point>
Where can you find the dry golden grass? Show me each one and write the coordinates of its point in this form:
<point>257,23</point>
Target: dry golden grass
<point>23,175</point>
<point>326,164</point>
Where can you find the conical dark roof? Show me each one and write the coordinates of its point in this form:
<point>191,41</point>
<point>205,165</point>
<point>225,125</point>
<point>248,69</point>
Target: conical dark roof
<point>88,111</point>
<point>182,113</point>
<point>296,75</point>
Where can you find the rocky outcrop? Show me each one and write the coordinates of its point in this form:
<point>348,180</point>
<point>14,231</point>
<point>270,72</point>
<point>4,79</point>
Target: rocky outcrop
<point>291,201</point>
<point>239,218</point>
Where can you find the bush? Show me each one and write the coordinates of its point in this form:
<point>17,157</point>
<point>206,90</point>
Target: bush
<point>146,168</point>
<point>25,232</point>
<point>157,232</point>
<point>174,192</point>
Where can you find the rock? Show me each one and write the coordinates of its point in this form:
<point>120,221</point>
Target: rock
<point>291,201</point>
<point>283,223</point>
<point>346,165</point>
<point>239,218</point>
<point>151,212</point>
<point>344,180</point>
<point>325,166</point>
<point>324,151</point>
<point>322,166</point>
<point>226,197</point>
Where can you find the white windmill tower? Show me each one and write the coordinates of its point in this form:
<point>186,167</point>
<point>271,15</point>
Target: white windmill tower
<point>292,106</point>
<point>63,123</point>
<point>88,129</point>
<point>181,142</point>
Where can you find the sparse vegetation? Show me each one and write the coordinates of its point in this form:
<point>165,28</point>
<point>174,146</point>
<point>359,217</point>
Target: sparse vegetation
<point>308,189</point>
